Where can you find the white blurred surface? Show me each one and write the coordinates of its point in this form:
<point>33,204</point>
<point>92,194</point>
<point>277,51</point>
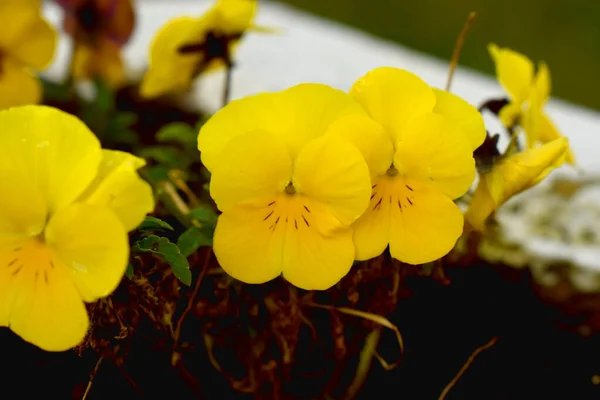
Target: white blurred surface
<point>312,49</point>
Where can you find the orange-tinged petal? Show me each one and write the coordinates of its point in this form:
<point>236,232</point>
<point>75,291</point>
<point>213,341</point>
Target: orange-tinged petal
<point>252,166</point>
<point>393,97</point>
<point>436,152</point>
<point>92,246</point>
<point>464,115</point>
<point>38,300</point>
<point>51,150</point>
<point>333,173</point>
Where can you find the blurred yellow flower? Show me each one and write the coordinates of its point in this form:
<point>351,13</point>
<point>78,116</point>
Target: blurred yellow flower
<point>431,137</point>
<point>99,29</point>
<point>528,94</point>
<point>288,184</point>
<point>65,210</point>
<point>186,46</point>
<point>512,176</point>
<point>27,44</point>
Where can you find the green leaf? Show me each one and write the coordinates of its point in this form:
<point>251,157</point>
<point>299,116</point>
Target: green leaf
<point>204,214</point>
<point>105,100</point>
<point>152,224</point>
<point>192,239</point>
<point>178,132</point>
<point>202,121</point>
<point>168,251</point>
<point>169,156</point>
<point>55,91</point>
<point>129,271</point>
<point>155,174</point>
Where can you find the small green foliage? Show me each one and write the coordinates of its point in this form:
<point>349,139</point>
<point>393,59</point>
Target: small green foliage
<point>169,157</point>
<point>54,91</point>
<point>204,220</point>
<point>169,252</point>
<point>192,239</point>
<point>178,132</point>
<point>129,271</point>
<point>153,224</point>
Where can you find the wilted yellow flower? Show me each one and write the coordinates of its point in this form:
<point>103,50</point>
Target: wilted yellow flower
<point>512,176</point>
<point>187,46</point>
<point>431,136</point>
<point>27,44</point>
<point>99,29</point>
<point>528,94</point>
<point>66,206</point>
<point>289,185</point>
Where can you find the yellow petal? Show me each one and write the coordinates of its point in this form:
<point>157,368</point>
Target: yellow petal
<point>369,138</point>
<point>248,240</point>
<point>169,71</point>
<point>318,250</point>
<point>296,115</point>
<point>465,116</point>
<point>333,173</point>
<point>53,150</point>
<point>425,224</point>
<point>512,176</point>
<point>434,151</point>
<point>253,166</point>
<point>38,300</point>
<point>92,246</point>
<point>372,229</point>
<point>514,72</point>
<point>256,242</point>
<point>23,209</point>
<point>119,188</point>
<point>510,115</point>
<point>393,97</point>
<point>233,16</point>
<point>549,132</point>
<point>26,36</point>
<point>18,87</point>
<point>543,84</point>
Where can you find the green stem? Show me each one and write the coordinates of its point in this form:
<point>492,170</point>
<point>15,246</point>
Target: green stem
<point>364,363</point>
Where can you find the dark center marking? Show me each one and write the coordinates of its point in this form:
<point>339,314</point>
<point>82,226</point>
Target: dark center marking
<point>267,217</point>
<point>306,208</point>
<point>407,199</point>
<point>409,188</point>
<point>305,221</point>
<point>378,205</point>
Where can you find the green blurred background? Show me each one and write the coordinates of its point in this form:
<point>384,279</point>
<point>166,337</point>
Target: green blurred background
<point>564,33</point>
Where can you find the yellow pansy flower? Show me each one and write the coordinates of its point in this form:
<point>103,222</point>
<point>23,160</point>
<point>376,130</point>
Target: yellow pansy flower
<point>289,184</point>
<point>187,46</point>
<point>512,176</point>
<point>27,44</point>
<point>65,210</point>
<point>433,135</point>
<point>528,92</point>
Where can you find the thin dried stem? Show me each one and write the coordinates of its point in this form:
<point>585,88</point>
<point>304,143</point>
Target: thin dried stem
<point>378,319</point>
<point>190,303</point>
<point>92,376</point>
<point>466,366</point>
<point>458,48</point>
<point>367,353</point>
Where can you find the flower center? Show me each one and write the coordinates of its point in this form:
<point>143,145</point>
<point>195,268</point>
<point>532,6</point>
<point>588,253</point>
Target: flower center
<point>392,171</point>
<point>290,189</point>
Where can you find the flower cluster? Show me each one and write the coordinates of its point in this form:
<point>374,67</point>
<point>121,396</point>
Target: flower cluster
<point>66,208</point>
<point>310,179</point>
